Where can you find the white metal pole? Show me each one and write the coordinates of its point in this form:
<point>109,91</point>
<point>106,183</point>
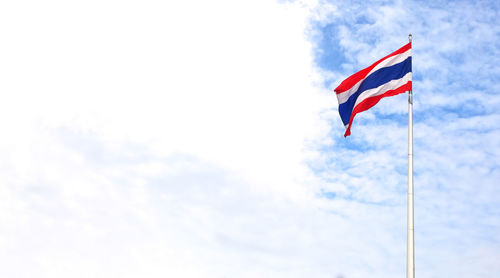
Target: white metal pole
<point>410,264</point>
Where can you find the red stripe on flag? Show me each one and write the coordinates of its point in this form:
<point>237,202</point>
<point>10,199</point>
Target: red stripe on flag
<point>371,101</point>
<point>355,78</point>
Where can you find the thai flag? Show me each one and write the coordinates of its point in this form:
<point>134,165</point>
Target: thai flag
<point>388,76</point>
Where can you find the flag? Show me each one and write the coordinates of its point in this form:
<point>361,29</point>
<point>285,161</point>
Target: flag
<point>388,76</point>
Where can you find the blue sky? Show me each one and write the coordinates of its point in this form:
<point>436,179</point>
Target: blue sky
<point>202,139</point>
<point>455,52</point>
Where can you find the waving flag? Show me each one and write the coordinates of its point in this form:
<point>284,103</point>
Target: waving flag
<point>388,76</point>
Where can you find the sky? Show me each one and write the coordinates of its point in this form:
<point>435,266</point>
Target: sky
<point>202,139</point>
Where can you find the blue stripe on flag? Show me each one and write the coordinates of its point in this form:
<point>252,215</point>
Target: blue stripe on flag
<point>374,80</point>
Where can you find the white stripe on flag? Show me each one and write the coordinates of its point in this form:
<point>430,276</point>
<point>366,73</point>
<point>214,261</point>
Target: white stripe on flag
<point>391,85</point>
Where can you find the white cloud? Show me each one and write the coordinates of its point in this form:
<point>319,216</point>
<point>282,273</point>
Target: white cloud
<point>157,139</point>
<point>223,81</point>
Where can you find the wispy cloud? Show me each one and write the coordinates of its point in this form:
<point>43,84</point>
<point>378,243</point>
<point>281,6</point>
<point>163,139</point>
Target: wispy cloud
<point>202,140</point>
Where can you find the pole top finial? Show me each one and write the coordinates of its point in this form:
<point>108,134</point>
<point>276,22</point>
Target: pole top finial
<point>409,37</point>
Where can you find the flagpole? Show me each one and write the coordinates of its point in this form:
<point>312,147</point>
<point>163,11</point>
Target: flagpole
<point>410,255</point>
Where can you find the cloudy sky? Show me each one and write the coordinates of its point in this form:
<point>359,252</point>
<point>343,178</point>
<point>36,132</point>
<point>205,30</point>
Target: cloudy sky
<point>202,139</point>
